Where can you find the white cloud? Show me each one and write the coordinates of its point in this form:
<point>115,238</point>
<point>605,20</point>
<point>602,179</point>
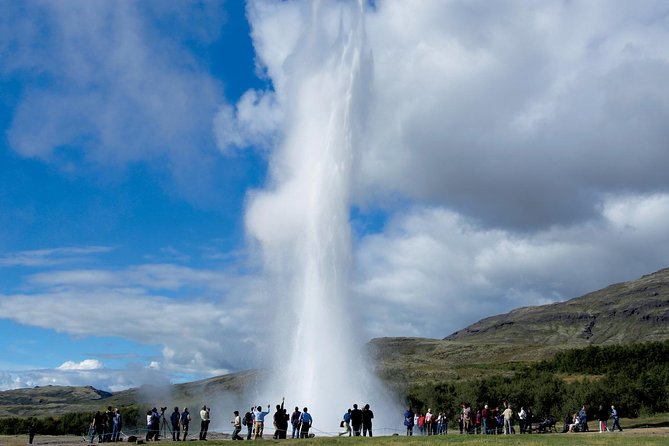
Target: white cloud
<point>197,317</point>
<point>51,257</point>
<point>86,364</point>
<point>517,115</point>
<point>101,378</point>
<point>255,121</point>
<point>432,272</point>
<point>105,84</point>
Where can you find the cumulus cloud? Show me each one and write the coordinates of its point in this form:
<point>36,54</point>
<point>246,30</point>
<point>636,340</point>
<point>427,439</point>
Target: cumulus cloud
<point>432,272</point>
<point>519,116</point>
<point>254,121</point>
<point>86,364</point>
<point>103,84</point>
<point>197,318</point>
<point>101,378</point>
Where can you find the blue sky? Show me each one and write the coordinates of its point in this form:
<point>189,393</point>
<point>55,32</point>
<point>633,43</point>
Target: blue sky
<point>509,155</point>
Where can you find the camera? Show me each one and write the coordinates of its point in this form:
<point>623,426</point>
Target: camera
<point>163,409</point>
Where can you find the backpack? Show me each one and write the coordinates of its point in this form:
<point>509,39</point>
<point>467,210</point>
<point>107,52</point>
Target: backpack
<point>246,421</point>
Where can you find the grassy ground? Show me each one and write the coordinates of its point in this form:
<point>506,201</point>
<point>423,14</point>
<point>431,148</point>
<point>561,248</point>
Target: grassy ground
<point>649,430</point>
<point>631,437</point>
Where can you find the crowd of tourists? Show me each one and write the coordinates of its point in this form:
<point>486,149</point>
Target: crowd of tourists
<point>254,421</point>
<point>502,421</point>
<point>106,426</point>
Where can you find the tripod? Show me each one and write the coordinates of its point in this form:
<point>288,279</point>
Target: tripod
<point>165,427</point>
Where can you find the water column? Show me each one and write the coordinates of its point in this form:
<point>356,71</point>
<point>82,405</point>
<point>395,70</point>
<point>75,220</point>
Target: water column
<point>302,221</point>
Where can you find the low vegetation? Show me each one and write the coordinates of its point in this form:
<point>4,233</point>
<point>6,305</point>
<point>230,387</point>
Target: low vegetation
<point>634,377</point>
<point>68,424</point>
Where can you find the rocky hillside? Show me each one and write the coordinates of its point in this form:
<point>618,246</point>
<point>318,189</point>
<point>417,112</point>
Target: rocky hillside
<point>634,311</point>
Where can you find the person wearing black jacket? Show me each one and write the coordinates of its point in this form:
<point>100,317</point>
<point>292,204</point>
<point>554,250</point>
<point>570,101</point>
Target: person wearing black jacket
<point>356,420</point>
<point>367,416</point>
<point>280,421</point>
<point>602,417</point>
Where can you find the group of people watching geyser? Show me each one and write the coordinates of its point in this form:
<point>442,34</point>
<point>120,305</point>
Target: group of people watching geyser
<point>495,420</point>
<point>254,420</point>
<point>106,426</point>
<point>179,423</point>
<point>357,422</point>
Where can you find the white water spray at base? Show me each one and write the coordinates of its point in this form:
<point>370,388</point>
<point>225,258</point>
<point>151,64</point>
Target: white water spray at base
<point>302,224</point>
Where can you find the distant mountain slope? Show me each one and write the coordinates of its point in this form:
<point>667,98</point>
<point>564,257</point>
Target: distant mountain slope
<point>50,400</point>
<point>58,400</point>
<point>634,311</point>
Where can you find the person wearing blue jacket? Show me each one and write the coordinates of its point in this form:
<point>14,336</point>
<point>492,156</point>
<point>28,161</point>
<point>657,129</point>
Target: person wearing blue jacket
<point>260,422</point>
<point>305,423</point>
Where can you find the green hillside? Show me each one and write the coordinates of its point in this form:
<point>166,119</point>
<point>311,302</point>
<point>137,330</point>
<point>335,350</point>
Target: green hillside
<point>630,312</point>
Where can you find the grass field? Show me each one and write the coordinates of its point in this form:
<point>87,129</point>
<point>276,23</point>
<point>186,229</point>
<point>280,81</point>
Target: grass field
<point>631,437</point>
<point>645,430</point>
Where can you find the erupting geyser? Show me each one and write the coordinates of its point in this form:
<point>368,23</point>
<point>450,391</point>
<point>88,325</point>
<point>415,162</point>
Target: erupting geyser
<point>302,223</point>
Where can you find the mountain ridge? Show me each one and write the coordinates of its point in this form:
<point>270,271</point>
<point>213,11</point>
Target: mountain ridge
<point>634,310</point>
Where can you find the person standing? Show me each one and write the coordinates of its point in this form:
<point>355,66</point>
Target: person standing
<point>155,424</point>
<point>616,420</point>
<point>367,417</point>
<point>109,424</point>
<point>484,419</point>
<point>346,423</point>
<point>249,422</point>
<point>96,427</point>
<point>259,422</point>
<point>408,421</point>
<point>118,425</point>
<point>508,418</point>
<point>149,432</point>
<point>205,414</point>
<point>280,421</point>
<point>522,416</point>
<point>174,419</point>
<point>428,421</point>
<point>305,423</point>
<point>295,421</point>
<point>602,417</point>
<point>356,420</point>
<point>237,426</point>
<point>31,433</point>
<point>466,420</point>
<point>185,422</point>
